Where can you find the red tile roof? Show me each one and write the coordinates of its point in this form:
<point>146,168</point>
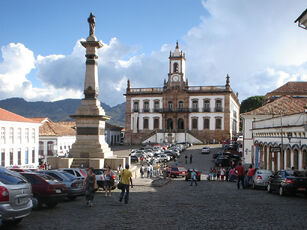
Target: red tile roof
<point>290,88</point>
<point>39,119</point>
<point>9,116</point>
<point>50,128</point>
<point>286,104</point>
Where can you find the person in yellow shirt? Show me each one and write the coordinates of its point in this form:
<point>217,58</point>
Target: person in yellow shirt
<point>125,179</point>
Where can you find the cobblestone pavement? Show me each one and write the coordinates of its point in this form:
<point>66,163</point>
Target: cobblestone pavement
<point>210,205</point>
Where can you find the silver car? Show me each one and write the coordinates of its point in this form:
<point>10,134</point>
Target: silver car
<point>261,178</point>
<point>15,197</point>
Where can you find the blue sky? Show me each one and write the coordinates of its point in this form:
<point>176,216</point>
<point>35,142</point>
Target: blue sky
<point>255,42</point>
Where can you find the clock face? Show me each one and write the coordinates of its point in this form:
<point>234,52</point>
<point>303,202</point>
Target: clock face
<point>175,78</point>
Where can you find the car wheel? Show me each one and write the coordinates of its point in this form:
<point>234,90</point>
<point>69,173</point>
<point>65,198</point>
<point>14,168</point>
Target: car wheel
<point>281,191</point>
<point>51,204</point>
<point>268,188</point>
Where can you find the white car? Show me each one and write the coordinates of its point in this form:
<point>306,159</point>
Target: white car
<point>205,150</point>
<point>164,157</point>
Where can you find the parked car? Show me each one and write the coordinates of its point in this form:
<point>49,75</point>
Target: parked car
<point>78,173</point>
<point>222,161</point>
<point>175,171</point>
<point>46,190</point>
<point>20,170</point>
<point>134,159</point>
<point>288,182</point>
<point>205,150</point>
<point>15,197</point>
<point>188,174</point>
<point>73,185</point>
<point>261,178</point>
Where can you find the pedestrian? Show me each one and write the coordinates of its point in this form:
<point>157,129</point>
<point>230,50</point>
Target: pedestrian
<point>240,174</point>
<point>227,174</point>
<point>142,171</point>
<point>125,179</point>
<point>193,178</point>
<point>90,185</point>
<point>150,169</point>
<point>222,172</point>
<point>109,181</point>
<point>119,168</point>
<point>218,173</point>
<point>186,159</point>
<point>250,174</point>
<point>191,157</point>
<point>232,174</point>
<point>214,173</point>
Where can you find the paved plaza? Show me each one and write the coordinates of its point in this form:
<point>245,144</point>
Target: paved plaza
<point>176,205</point>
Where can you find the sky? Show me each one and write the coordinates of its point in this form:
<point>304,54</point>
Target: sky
<point>256,42</point>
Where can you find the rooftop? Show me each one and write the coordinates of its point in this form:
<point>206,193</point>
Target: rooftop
<point>6,115</point>
<point>284,105</point>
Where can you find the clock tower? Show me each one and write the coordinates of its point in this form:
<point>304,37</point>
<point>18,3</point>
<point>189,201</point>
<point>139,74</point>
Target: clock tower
<point>176,75</point>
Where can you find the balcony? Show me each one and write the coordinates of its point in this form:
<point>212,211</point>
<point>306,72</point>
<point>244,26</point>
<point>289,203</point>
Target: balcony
<point>194,110</point>
<point>135,110</point>
<point>146,110</point>
<point>207,110</point>
<point>218,109</point>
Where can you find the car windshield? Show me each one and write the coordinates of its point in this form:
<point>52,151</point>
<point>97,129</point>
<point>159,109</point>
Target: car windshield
<point>47,178</point>
<point>296,173</point>
<point>68,175</point>
<point>10,179</point>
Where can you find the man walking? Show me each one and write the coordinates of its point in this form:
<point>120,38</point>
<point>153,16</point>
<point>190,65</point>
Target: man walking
<point>191,157</point>
<point>186,159</point>
<point>240,173</point>
<point>193,178</point>
<point>125,179</point>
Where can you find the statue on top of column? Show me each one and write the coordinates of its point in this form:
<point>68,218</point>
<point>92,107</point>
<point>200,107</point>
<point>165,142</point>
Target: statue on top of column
<point>91,22</point>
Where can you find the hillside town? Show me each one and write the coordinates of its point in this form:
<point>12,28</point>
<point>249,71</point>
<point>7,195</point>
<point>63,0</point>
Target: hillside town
<point>185,152</point>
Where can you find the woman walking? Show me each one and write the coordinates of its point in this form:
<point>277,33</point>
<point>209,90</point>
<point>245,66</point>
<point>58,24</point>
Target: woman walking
<point>109,181</point>
<point>90,185</point>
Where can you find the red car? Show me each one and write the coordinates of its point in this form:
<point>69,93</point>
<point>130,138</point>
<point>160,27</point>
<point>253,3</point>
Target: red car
<point>46,190</point>
<point>176,171</point>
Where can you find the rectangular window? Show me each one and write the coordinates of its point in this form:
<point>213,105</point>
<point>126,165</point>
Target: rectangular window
<point>2,157</point>
<point>194,123</point>
<point>33,135</point>
<point>146,106</point>
<point>19,135</point>
<point>156,123</point>
<point>27,135</point>
<point>136,106</point>
<point>11,157</point>
<point>33,156</point>
<point>170,105</point>
<point>19,156</point>
<point>218,106</point>
<point>207,123</point>
<point>206,106</point>
<point>11,135</point>
<point>145,125</point>
<point>218,123</point>
<point>2,136</point>
<point>26,157</point>
<point>156,106</point>
<point>195,106</point>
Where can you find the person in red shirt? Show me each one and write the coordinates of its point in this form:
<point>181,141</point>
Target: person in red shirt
<point>250,174</point>
<point>240,173</point>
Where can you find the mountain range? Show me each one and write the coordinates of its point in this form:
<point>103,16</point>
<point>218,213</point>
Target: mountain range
<point>59,110</point>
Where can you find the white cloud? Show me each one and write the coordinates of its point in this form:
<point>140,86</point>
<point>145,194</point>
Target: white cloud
<point>255,42</point>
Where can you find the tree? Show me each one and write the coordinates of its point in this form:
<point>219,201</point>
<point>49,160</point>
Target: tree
<point>251,103</point>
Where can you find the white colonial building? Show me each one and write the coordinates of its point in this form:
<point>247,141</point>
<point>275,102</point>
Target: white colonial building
<point>275,135</point>
<point>178,112</point>
<point>18,140</point>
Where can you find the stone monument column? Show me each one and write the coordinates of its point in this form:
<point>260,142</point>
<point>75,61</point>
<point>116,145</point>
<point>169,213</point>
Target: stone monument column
<point>90,145</point>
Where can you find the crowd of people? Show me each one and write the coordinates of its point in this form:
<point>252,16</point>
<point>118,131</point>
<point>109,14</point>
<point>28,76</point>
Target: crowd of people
<point>232,174</point>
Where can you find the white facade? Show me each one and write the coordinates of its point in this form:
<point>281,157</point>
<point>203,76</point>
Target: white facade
<point>19,144</point>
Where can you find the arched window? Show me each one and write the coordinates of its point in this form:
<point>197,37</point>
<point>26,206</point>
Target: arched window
<point>180,123</point>
<point>175,67</point>
<point>169,123</point>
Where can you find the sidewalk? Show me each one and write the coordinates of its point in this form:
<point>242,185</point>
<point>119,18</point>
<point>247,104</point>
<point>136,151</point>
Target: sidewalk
<point>154,181</point>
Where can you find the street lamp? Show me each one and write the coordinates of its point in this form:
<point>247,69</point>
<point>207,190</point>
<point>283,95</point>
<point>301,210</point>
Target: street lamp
<point>302,20</point>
